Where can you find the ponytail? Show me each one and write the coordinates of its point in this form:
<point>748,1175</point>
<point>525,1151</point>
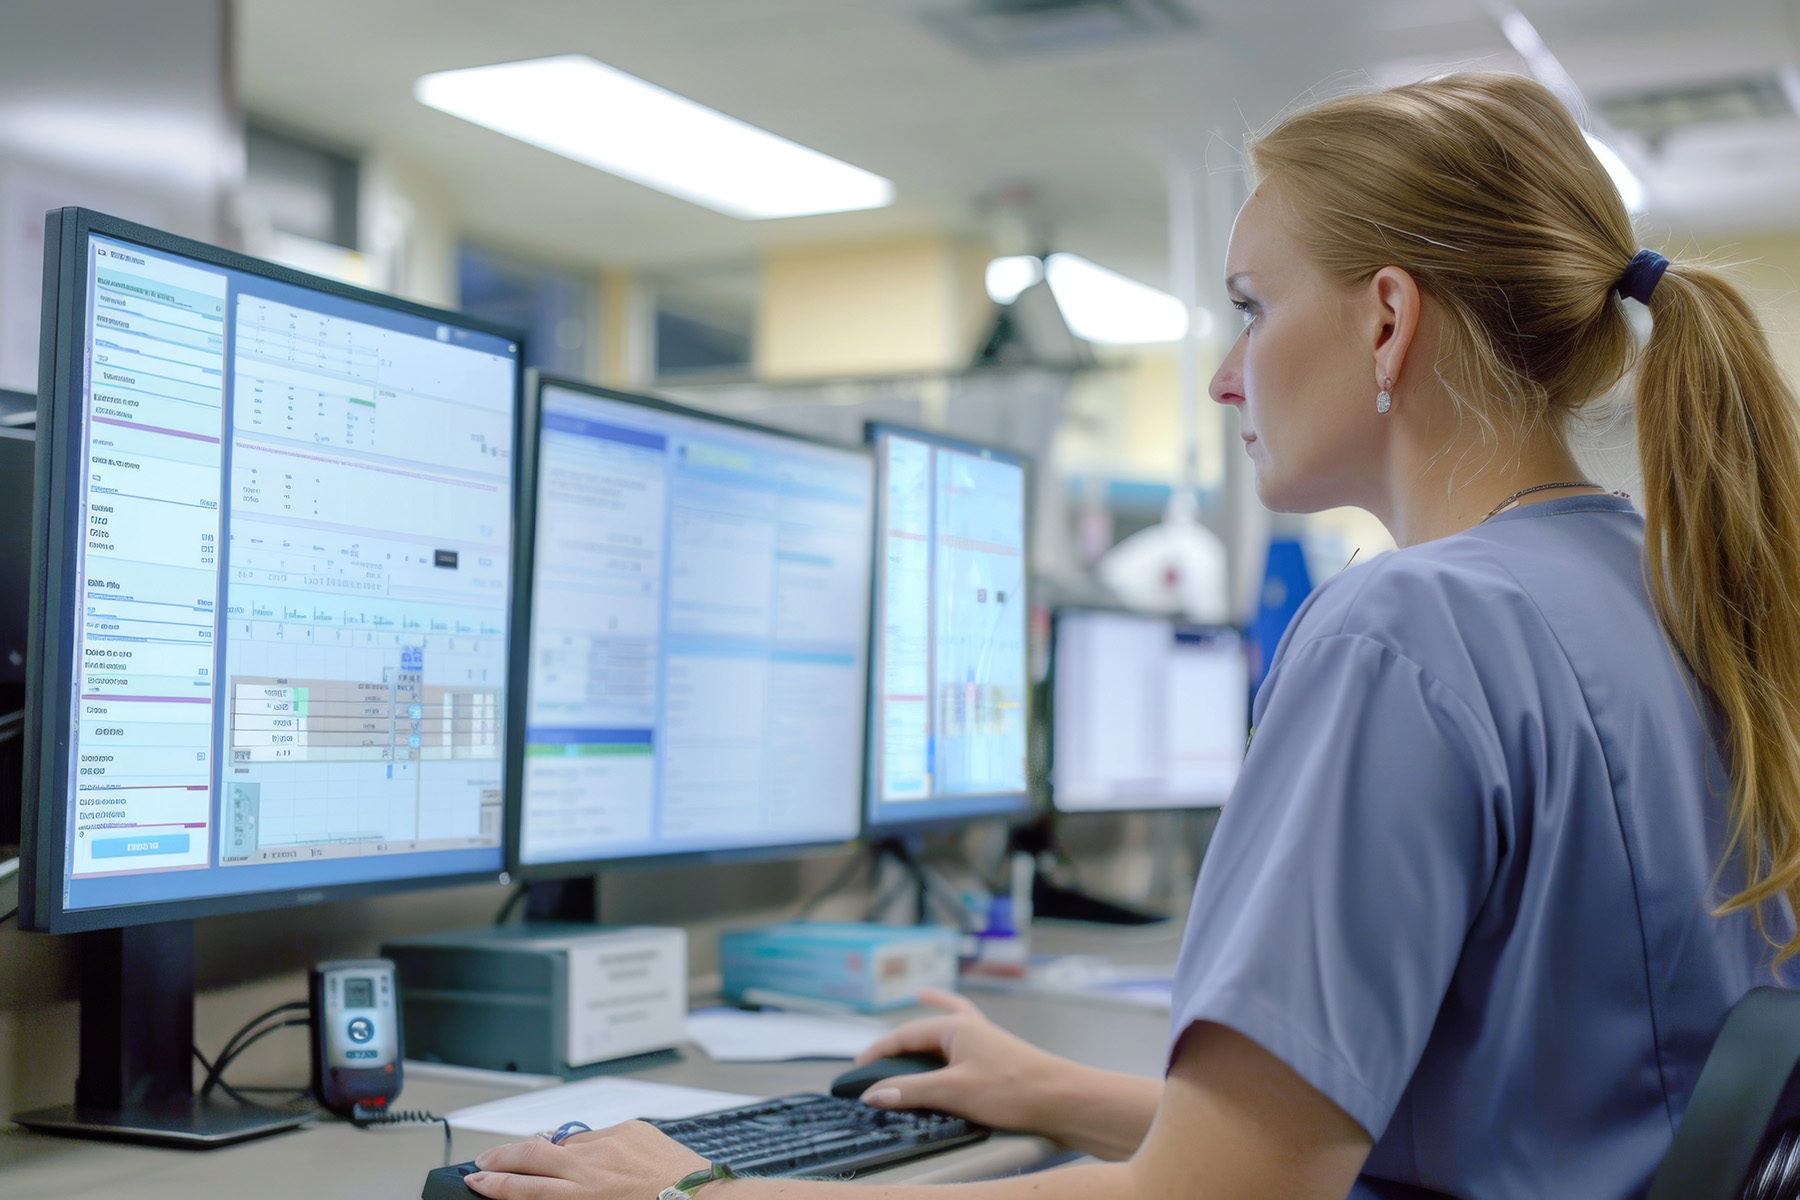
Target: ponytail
<point>1720,447</point>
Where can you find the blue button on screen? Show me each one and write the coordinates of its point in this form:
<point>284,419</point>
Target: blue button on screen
<point>132,847</point>
<point>361,1029</point>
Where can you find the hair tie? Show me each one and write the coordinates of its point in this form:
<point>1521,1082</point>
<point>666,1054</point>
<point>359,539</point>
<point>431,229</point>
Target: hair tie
<point>1642,276</point>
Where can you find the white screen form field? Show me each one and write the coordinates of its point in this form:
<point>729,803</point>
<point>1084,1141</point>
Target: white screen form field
<point>949,684</point>
<point>293,586</point>
<point>698,650</point>
<point>1147,712</point>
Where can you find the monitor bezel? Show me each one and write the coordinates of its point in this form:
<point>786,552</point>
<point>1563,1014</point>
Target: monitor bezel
<point>525,551</point>
<point>1057,617</point>
<point>49,673</point>
<point>999,806</point>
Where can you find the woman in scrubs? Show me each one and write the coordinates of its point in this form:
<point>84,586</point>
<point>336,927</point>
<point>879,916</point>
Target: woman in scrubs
<point>1521,818</point>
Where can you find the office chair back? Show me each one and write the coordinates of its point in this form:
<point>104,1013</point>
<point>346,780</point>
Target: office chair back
<point>1740,1136</point>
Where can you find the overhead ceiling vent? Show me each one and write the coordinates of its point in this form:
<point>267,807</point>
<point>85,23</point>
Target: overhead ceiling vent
<point>1653,115</point>
<point>1018,28</point>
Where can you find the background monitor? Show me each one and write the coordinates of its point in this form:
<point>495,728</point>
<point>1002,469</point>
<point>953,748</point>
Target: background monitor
<point>948,683</point>
<point>698,608</point>
<point>272,582</point>
<point>1146,712</point>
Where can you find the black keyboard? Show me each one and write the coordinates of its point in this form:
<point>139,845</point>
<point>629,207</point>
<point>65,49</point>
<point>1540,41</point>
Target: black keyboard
<point>817,1135</point>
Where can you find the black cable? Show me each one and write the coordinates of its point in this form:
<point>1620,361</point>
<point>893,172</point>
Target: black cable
<point>367,1120</point>
<point>218,1071</point>
<point>238,1093</point>
<point>512,902</point>
<point>231,1044</point>
<point>253,1022</point>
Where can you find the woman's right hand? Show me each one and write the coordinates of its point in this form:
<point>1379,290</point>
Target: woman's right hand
<point>992,1077</point>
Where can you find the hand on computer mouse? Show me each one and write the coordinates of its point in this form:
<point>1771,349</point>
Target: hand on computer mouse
<point>625,1162</point>
<point>992,1077</point>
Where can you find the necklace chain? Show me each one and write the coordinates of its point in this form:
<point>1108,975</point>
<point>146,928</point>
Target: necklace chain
<point>1523,492</point>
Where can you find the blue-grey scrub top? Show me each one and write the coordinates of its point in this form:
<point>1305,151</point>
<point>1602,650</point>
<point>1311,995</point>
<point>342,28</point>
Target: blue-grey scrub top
<point>1464,886</point>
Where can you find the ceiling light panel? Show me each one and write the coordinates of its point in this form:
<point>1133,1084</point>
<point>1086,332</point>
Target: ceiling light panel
<point>1106,308</point>
<point>598,115</point>
<point>1007,277</point>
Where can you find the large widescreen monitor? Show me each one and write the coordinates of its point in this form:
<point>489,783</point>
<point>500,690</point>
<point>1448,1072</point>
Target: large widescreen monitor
<point>698,606</point>
<point>271,586</point>
<point>948,684</point>
<point>1147,712</point>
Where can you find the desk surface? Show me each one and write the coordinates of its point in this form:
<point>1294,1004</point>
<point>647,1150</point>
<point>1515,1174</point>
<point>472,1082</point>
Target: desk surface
<point>330,1160</point>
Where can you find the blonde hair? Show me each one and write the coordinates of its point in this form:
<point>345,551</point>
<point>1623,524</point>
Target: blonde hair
<point>1483,188</point>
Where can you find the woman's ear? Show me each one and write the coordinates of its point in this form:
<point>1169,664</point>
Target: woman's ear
<point>1396,305</point>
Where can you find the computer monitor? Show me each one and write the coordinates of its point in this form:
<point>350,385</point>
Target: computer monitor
<point>948,679</point>
<point>698,607</point>
<point>1147,712</point>
<point>271,568</point>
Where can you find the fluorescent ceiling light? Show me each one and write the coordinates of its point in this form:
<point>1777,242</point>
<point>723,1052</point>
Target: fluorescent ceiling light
<point>1105,307</point>
<point>1631,188</point>
<point>1007,277</point>
<point>598,115</point>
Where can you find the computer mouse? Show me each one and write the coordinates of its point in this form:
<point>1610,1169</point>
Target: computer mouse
<point>446,1183</point>
<point>857,1080</point>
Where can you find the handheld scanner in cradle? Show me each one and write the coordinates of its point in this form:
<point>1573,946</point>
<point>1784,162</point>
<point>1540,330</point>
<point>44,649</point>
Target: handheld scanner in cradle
<point>355,1034</point>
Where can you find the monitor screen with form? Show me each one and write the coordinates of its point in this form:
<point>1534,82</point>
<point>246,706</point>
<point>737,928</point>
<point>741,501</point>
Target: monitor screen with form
<point>949,682</point>
<point>1148,712</point>
<point>286,552</point>
<point>699,609</point>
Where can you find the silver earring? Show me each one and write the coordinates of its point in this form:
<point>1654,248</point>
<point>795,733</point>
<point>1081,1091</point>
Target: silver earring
<point>1383,400</point>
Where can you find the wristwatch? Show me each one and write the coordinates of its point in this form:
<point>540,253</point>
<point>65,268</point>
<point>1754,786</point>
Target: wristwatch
<point>685,1187</point>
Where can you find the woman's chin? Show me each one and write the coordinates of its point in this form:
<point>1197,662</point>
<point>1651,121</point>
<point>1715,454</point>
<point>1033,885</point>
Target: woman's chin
<point>1288,495</point>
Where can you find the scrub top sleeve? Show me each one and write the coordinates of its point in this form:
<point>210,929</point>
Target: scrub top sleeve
<point>1346,871</point>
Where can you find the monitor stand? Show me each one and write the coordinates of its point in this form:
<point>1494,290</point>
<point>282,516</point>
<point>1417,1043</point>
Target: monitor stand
<point>575,901</point>
<point>926,883</point>
<point>1056,902</point>
<point>136,1081</point>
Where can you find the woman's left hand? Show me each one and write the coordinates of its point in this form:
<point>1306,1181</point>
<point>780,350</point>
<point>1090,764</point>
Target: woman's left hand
<point>633,1161</point>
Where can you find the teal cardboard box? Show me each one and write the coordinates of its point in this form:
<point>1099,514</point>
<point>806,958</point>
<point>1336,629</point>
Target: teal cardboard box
<point>862,966</point>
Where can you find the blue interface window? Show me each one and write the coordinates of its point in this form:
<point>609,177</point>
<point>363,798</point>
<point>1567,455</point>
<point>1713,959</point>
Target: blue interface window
<point>293,573</point>
<point>700,595</point>
<point>949,691</point>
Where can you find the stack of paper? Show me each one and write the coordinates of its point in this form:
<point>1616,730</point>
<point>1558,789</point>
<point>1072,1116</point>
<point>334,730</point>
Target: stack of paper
<point>1089,977</point>
<point>597,1103</point>
<point>733,1035</point>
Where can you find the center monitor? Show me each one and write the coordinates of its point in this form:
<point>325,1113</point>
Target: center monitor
<point>271,561</point>
<point>698,604</point>
<point>947,725</point>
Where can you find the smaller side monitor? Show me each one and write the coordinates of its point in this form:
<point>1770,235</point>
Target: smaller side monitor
<point>1147,712</point>
<point>949,681</point>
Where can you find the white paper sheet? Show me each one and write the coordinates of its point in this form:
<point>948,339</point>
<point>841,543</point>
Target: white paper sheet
<point>597,1102</point>
<point>733,1035</point>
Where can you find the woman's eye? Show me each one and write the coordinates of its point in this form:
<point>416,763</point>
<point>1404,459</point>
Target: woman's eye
<point>1246,310</point>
